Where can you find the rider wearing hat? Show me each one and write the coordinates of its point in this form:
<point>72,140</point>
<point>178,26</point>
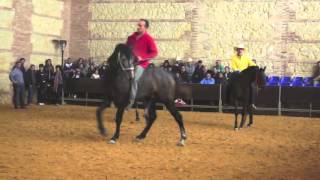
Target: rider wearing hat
<point>239,62</point>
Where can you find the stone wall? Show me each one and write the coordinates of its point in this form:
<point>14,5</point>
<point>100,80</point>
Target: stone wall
<point>280,34</point>
<point>27,28</point>
<point>284,35</point>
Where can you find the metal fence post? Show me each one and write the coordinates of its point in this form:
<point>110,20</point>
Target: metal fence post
<point>220,98</point>
<point>279,102</point>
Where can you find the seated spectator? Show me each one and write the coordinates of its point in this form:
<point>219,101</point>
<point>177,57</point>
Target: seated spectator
<point>166,65</point>
<point>17,79</point>
<point>184,75</point>
<point>83,70</point>
<point>58,84</point>
<point>316,73</point>
<point>219,79</point>
<point>41,85</point>
<point>95,75</point>
<point>219,67</point>
<point>31,82</point>
<point>207,80</point>
<point>227,72</point>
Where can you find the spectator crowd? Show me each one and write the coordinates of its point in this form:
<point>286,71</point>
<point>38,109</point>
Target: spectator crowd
<point>46,81</point>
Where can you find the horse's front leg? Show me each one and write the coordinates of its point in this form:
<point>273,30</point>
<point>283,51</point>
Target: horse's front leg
<point>99,113</point>
<point>250,117</point>
<point>118,119</point>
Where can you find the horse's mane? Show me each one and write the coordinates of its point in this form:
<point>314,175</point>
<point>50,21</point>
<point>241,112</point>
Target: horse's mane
<point>123,49</point>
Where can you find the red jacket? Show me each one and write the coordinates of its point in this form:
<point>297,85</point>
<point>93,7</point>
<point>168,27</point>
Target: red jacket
<point>144,47</point>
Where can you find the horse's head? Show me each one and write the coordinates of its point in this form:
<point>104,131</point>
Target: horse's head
<point>123,60</point>
<point>261,77</point>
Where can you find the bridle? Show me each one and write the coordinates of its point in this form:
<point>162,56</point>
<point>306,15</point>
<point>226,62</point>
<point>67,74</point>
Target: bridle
<point>131,68</point>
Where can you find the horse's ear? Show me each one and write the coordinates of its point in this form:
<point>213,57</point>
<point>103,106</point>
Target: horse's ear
<point>264,69</point>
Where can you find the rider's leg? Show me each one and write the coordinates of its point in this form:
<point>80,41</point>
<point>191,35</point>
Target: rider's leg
<point>134,87</point>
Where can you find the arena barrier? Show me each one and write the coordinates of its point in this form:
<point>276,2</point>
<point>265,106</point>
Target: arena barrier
<point>276,99</point>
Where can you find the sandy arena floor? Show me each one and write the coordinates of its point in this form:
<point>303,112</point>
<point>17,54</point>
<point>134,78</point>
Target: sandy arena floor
<point>52,142</point>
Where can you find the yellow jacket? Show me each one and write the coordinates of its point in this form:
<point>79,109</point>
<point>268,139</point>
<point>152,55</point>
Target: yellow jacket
<point>241,63</point>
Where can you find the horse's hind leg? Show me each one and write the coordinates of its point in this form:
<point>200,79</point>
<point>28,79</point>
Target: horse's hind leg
<point>244,115</point>
<point>137,113</point>
<point>150,116</point>
<point>177,116</point>
<point>99,112</point>
<point>236,116</point>
<point>119,116</point>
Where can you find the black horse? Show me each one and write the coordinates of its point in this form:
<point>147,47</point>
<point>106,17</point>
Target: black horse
<point>239,90</point>
<point>155,85</point>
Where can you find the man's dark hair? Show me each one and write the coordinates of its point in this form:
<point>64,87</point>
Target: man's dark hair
<point>146,23</point>
<point>40,65</point>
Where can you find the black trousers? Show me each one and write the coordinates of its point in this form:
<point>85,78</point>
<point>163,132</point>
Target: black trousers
<point>18,95</point>
<point>42,94</point>
<point>58,94</point>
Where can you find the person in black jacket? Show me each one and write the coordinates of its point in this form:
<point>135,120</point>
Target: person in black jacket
<point>41,85</point>
<point>30,81</point>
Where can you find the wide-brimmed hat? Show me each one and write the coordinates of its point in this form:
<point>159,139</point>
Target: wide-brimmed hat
<point>239,46</point>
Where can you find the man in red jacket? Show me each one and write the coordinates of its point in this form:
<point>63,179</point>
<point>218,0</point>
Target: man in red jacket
<point>144,49</point>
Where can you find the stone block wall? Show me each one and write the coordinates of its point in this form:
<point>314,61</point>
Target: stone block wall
<point>27,28</point>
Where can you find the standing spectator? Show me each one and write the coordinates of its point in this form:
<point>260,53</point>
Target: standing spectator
<point>103,71</point>
<point>58,84</point>
<point>16,77</point>
<point>49,70</point>
<point>199,74</point>
<point>31,83</point>
<point>95,75</point>
<point>22,68</point>
<point>207,80</point>
<point>219,79</point>
<point>91,71</point>
<point>227,72</point>
<point>219,67</point>
<point>77,74</point>
<point>316,73</point>
<point>67,68</point>
<point>184,75</point>
<point>83,70</point>
<point>190,67</point>
<point>166,65</point>
<point>41,85</point>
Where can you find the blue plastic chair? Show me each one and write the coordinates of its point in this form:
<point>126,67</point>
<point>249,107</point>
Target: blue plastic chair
<point>317,85</point>
<point>297,82</point>
<point>273,81</point>
<point>285,81</point>
<point>308,81</point>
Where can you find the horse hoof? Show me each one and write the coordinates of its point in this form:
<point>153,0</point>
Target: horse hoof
<point>112,141</point>
<point>181,143</point>
<point>137,139</point>
<point>236,129</point>
<point>248,126</point>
